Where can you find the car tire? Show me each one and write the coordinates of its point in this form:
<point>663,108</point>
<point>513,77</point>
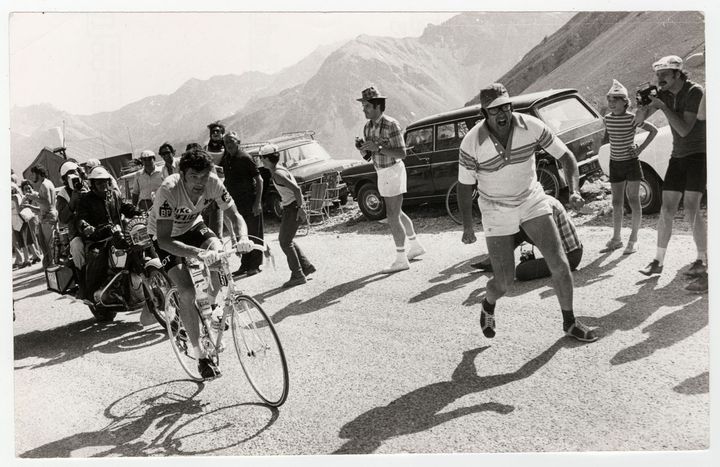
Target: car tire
<point>650,191</point>
<point>371,204</point>
<point>275,205</point>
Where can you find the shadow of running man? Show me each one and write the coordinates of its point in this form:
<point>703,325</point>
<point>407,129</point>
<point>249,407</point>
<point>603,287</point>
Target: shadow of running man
<point>420,409</point>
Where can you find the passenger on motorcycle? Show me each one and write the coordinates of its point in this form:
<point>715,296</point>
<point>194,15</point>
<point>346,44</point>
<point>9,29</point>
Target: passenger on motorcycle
<point>68,197</point>
<point>180,232</point>
<point>99,215</point>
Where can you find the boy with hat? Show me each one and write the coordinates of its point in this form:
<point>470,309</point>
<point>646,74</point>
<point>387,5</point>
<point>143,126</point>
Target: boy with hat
<point>686,176</point>
<point>625,169</point>
<point>383,139</point>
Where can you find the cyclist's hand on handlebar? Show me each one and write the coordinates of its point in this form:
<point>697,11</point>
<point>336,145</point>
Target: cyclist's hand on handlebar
<point>468,236</point>
<point>210,256</point>
<point>244,245</point>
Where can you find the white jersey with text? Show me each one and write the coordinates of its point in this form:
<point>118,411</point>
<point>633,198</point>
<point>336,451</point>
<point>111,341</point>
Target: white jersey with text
<point>172,202</point>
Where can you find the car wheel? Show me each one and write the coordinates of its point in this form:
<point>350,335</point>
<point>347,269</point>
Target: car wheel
<point>276,206</point>
<point>650,191</point>
<point>371,203</point>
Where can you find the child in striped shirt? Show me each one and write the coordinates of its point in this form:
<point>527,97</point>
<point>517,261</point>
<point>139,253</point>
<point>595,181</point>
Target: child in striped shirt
<point>625,169</point>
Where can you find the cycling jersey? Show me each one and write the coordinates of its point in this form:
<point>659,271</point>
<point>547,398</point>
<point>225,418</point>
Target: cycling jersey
<point>172,202</point>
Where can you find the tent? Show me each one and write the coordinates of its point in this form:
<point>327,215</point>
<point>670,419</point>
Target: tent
<point>52,159</point>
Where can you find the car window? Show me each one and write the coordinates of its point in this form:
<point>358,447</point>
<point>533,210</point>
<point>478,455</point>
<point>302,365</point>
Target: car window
<point>299,155</point>
<point>564,114</point>
<point>446,137</point>
<point>420,140</point>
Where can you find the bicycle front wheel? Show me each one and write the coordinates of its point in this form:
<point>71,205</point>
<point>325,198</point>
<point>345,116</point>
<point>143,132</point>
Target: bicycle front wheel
<point>453,210</point>
<point>259,350</point>
<point>179,340</point>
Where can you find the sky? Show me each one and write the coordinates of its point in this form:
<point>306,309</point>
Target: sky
<point>91,62</point>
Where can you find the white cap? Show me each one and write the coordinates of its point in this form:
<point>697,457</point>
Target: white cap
<point>671,62</point>
<point>618,90</point>
<point>268,149</point>
<point>147,154</point>
<point>92,163</point>
<point>67,167</point>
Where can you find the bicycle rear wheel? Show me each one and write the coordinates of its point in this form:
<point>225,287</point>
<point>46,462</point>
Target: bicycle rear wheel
<point>259,350</point>
<point>182,348</point>
<point>453,209</point>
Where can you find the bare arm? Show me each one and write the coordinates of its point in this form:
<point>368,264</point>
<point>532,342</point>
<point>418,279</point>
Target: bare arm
<point>652,133</point>
<point>171,245</point>
<point>464,198</point>
<point>238,223</point>
<point>572,176</point>
<point>682,123</point>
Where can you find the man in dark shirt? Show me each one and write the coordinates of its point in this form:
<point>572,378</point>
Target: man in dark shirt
<point>245,184</point>
<point>686,177</point>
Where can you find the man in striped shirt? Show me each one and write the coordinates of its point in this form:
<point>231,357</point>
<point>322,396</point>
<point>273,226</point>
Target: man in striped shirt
<point>498,154</point>
<point>384,141</point>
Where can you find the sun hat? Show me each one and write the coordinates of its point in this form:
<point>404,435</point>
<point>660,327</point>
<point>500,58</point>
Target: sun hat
<point>370,93</point>
<point>618,90</point>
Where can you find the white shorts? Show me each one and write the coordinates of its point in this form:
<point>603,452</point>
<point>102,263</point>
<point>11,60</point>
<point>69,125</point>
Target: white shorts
<point>392,181</point>
<point>500,219</point>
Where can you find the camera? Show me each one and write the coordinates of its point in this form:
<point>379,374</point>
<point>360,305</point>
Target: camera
<point>359,142</point>
<point>526,255</point>
<point>74,182</point>
<point>642,95</point>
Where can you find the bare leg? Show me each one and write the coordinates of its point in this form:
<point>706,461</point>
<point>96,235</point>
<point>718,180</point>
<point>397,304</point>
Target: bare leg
<point>670,203</point>
<point>501,250</point>
<point>633,195</point>
<point>188,314</point>
<point>618,204</point>
<point>691,206</point>
<point>393,206</point>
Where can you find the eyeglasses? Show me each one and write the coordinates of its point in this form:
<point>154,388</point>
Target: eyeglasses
<point>494,110</point>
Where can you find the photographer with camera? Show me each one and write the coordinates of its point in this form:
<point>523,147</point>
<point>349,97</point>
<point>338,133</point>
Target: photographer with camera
<point>686,177</point>
<point>68,197</point>
<point>383,143</point>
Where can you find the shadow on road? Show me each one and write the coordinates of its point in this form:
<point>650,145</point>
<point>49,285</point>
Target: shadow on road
<point>28,282</point>
<point>443,285</point>
<point>154,422</point>
<point>699,384</point>
<point>65,343</point>
<point>327,298</point>
<point>421,409</point>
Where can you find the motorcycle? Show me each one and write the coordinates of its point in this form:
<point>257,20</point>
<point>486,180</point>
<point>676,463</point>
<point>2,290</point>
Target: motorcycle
<point>133,275</point>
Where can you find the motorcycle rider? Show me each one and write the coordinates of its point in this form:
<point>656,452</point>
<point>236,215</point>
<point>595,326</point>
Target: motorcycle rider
<point>99,216</point>
<point>68,197</point>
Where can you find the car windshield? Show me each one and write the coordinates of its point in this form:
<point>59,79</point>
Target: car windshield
<point>300,155</point>
<point>564,114</point>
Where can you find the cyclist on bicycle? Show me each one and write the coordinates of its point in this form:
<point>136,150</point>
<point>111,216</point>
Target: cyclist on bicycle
<point>179,233</point>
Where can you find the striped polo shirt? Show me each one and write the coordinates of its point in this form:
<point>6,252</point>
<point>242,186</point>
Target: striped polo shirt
<point>506,175</point>
<point>621,132</point>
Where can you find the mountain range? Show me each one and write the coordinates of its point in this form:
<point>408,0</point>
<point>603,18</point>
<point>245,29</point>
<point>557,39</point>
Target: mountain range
<point>442,69</point>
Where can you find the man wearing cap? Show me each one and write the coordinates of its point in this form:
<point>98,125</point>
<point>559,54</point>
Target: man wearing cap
<point>498,154</point>
<point>146,181</point>
<point>68,197</point>
<point>382,137</point>
<point>679,99</point>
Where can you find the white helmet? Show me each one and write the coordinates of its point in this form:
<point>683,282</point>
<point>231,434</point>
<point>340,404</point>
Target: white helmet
<point>99,173</point>
<point>92,163</point>
<point>67,167</point>
<point>147,154</point>
<point>268,149</point>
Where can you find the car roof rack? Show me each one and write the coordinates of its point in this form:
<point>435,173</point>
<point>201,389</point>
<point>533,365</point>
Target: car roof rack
<point>283,138</point>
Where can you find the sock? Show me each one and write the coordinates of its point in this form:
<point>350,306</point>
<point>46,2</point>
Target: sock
<point>568,318</point>
<point>488,307</point>
<point>702,256</point>
<point>400,256</point>
<point>660,255</point>
<point>198,354</point>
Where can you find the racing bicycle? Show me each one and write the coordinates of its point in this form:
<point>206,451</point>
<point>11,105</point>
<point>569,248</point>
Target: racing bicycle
<point>254,337</point>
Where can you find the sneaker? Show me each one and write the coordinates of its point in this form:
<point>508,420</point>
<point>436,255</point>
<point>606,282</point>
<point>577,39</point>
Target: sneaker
<point>398,265</point>
<point>581,332</point>
<point>252,271</point>
<point>483,266</point>
<point>487,321</point>
<point>612,245</point>
<point>699,285</point>
<point>241,271</point>
<point>653,268</point>
<point>294,281</point>
<point>415,251</point>
<point>207,369</point>
<point>309,270</point>
<point>696,269</point>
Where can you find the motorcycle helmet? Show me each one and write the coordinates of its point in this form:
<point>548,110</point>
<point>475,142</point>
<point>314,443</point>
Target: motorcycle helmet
<point>67,167</point>
<point>99,173</point>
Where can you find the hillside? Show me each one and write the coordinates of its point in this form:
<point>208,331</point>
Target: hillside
<point>593,48</point>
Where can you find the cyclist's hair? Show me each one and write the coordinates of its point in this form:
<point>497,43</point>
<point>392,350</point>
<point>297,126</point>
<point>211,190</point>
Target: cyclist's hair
<point>39,170</point>
<point>197,159</point>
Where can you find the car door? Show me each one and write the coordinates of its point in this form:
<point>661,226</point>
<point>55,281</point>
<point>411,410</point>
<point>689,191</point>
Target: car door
<point>444,160</point>
<point>419,142</point>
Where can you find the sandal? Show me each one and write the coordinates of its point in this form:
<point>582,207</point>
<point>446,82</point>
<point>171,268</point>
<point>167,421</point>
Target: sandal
<point>630,248</point>
<point>612,245</point>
